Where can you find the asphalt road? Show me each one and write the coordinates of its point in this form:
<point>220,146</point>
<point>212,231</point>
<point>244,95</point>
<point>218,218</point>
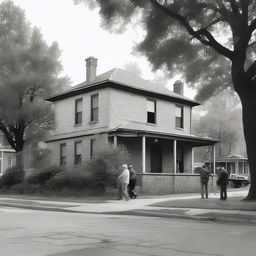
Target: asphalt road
<point>28,232</point>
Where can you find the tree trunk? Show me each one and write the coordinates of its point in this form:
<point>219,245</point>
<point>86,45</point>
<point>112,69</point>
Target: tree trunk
<point>19,159</point>
<point>248,100</point>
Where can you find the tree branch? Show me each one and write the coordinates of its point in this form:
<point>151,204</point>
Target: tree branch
<point>203,35</point>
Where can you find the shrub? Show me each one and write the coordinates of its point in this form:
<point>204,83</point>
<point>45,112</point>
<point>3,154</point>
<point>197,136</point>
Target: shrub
<point>103,169</point>
<point>68,180</point>
<point>25,188</point>
<point>42,176</point>
<point>12,176</point>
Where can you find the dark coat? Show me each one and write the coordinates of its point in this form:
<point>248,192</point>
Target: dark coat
<point>204,175</point>
<point>222,180</point>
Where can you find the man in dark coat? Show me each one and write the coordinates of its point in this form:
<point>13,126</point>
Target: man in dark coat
<point>204,178</point>
<point>222,181</point>
<point>132,182</point>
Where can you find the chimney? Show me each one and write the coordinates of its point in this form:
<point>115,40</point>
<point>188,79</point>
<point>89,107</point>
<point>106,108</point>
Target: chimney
<point>178,87</point>
<point>91,66</point>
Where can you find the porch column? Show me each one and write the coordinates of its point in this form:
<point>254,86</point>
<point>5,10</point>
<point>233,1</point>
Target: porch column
<point>243,167</point>
<point>2,163</point>
<point>213,159</point>
<point>174,155</point>
<point>143,154</point>
<point>236,167</point>
<point>192,159</point>
<point>115,141</point>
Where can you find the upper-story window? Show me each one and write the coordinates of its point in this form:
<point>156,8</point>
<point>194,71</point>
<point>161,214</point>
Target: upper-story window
<point>78,111</point>
<point>151,111</point>
<point>94,108</point>
<point>63,154</point>
<point>78,152</point>
<point>92,148</point>
<point>179,116</point>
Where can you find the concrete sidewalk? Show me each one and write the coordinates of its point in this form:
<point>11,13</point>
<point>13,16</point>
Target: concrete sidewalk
<point>140,206</point>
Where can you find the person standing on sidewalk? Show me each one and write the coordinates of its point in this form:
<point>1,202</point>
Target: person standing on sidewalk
<point>122,182</point>
<point>222,181</point>
<point>204,178</point>
<point>132,182</point>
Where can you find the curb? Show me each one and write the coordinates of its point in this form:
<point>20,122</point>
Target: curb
<point>40,208</point>
<point>231,220</point>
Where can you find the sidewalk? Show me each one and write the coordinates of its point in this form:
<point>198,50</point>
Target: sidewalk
<point>143,207</point>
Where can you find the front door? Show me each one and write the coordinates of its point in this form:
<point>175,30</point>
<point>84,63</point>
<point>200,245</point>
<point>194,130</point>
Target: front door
<point>156,158</point>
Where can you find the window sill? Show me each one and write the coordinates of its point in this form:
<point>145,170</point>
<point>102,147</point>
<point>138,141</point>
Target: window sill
<point>76,125</point>
<point>93,122</point>
<point>179,128</point>
<point>151,124</point>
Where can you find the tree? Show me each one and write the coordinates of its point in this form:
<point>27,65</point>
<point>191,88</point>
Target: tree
<point>225,127</point>
<point>211,42</point>
<point>29,71</point>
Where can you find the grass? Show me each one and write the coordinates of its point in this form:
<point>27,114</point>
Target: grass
<point>233,203</point>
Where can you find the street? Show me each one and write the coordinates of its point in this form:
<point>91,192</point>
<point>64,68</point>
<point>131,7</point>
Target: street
<point>29,232</point>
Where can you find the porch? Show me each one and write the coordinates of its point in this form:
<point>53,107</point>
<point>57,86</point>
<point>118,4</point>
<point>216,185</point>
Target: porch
<point>164,162</point>
<point>161,153</point>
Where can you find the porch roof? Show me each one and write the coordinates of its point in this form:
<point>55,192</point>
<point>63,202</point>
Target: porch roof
<point>6,149</point>
<point>196,140</point>
<point>232,158</point>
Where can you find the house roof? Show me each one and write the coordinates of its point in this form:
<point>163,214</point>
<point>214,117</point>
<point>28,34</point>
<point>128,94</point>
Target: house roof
<point>6,149</point>
<point>124,80</point>
<point>232,157</point>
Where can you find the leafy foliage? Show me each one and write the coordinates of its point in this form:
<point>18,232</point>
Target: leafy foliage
<point>72,180</point>
<point>12,176</point>
<point>225,127</point>
<point>42,176</point>
<point>28,73</point>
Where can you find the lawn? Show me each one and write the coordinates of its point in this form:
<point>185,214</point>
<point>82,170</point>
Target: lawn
<point>234,203</point>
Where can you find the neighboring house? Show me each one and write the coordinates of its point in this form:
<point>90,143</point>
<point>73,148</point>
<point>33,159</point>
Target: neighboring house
<point>7,158</point>
<point>118,107</point>
<point>234,164</point>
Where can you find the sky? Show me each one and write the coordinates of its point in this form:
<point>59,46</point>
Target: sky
<point>79,34</point>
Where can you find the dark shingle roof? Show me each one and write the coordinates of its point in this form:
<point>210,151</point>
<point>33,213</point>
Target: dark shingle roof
<point>124,80</point>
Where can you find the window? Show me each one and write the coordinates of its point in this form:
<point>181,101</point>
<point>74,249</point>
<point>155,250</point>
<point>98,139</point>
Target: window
<point>63,154</point>
<point>94,107</point>
<point>78,153</point>
<point>179,117</point>
<point>92,147</point>
<point>78,111</point>
<point>151,111</point>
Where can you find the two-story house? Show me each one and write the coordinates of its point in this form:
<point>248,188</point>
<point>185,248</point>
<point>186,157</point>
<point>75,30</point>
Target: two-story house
<point>119,107</point>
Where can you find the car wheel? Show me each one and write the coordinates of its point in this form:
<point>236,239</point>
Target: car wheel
<point>231,184</point>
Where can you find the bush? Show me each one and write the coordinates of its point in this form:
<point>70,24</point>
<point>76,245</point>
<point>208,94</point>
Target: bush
<point>25,188</point>
<point>68,180</point>
<point>103,169</point>
<point>12,176</point>
<point>42,176</point>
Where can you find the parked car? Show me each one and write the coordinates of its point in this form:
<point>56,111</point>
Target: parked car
<point>237,181</point>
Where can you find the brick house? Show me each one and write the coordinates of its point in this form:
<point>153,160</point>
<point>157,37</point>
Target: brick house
<point>118,107</point>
